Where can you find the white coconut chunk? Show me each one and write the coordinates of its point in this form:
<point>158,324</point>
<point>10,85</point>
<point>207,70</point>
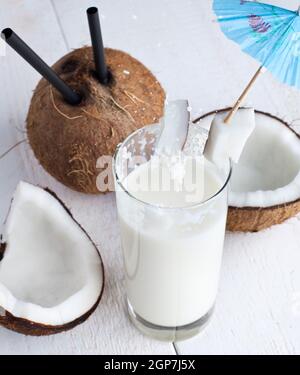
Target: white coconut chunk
<point>51,272</point>
<point>174,128</point>
<point>227,141</point>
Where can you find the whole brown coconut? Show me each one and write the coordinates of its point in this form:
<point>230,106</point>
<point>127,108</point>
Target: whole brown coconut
<point>68,140</point>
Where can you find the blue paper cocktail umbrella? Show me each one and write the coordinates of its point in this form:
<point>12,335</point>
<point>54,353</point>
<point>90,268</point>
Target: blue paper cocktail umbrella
<point>268,33</point>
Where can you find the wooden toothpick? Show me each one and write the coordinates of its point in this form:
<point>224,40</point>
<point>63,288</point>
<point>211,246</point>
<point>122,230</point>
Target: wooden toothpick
<point>241,99</point>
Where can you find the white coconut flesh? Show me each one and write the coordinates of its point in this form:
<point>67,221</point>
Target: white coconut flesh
<point>227,140</point>
<point>268,171</point>
<point>174,128</point>
<point>177,137</point>
<point>51,272</point>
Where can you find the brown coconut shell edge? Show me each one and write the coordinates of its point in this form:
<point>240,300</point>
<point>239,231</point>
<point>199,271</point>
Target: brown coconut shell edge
<point>255,219</point>
<point>29,328</point>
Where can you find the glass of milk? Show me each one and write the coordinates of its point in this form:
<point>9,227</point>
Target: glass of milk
<point>172,216</point>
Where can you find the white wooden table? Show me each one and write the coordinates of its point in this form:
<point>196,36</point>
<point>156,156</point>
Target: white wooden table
<point>258,310</point>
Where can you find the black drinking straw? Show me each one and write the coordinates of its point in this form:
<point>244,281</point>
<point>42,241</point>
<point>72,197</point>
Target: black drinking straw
<point>97,42</point>
<point>37,63</point>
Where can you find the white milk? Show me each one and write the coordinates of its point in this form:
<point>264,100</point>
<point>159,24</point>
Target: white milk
<point>173,252</point>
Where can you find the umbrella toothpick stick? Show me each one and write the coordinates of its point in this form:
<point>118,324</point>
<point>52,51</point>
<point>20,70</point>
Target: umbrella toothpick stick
<point>241,99</point>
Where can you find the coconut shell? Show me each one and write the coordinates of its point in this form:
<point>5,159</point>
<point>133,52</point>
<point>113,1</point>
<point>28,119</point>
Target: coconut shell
<point>29,328</point>
<point>68,140</point>
<point>254,219</point>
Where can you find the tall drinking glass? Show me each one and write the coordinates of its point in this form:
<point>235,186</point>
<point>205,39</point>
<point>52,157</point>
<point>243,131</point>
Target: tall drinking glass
<point>172,253</point>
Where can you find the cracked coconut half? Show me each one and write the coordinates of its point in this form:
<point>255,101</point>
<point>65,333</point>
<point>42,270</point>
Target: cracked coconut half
<point>265,184</point>
<point>51,274</point>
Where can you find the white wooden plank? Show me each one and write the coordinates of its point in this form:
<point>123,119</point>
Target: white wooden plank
<point>108,331</point>
<point>17,82</point>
